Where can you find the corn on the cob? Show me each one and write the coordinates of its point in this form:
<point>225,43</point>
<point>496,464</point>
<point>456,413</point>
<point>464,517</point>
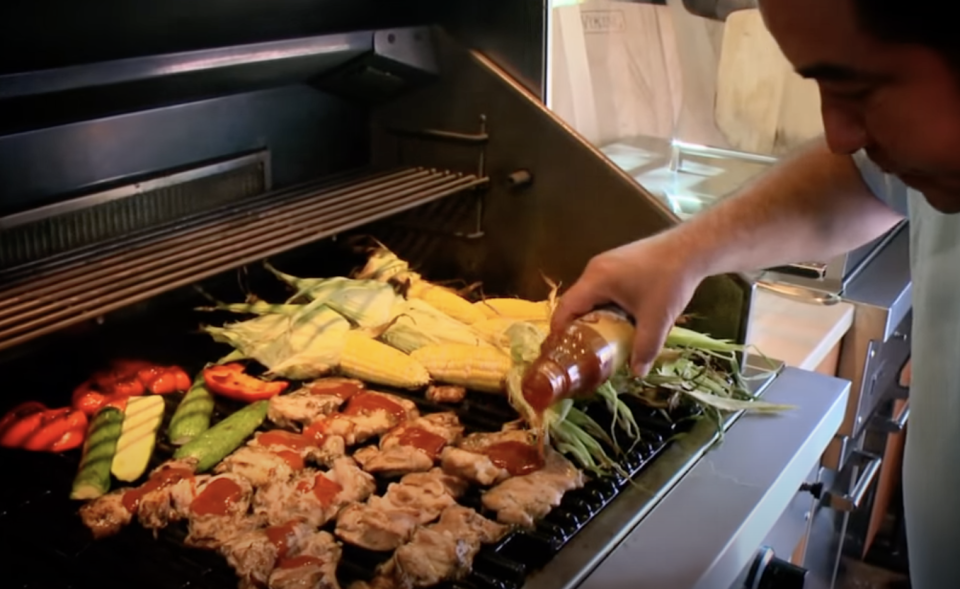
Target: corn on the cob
<point>373,361</point>
<point>494,330</point>
<point>446,301</point>
<point>474,367</point>
<point>517,309</point>
<point>418,324</point>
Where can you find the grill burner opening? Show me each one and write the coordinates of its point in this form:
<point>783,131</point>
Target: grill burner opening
<point>54,550</point>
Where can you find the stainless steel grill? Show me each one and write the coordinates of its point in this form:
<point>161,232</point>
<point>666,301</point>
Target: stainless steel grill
<point>359,133</point>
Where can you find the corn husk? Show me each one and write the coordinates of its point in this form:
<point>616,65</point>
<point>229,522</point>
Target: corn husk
<point>300,346</point>
<point>417,324</point>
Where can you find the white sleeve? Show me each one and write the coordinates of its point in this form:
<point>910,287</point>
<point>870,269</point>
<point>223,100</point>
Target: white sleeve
<point>887,188</point>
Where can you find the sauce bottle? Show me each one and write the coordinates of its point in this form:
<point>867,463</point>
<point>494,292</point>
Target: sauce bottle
<point>579,359</point>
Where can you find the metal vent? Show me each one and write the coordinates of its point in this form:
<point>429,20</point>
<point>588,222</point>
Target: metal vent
<point>120,212</point>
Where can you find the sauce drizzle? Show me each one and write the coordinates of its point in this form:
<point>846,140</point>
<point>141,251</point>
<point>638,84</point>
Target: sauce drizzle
<point>516,458</point>
<point>299,561</point>
<point>279,437</point>
<point>427,442</point>
<point>323,489</point>
<point>158,480</point>
<point>291,458</point>
<point>279,536</point>
<point>217,498</point>
<point>341,390</point>
<point>366,403</point>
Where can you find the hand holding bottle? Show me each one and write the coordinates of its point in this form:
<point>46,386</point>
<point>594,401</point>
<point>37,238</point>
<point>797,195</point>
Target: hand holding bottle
<point>651,279</point>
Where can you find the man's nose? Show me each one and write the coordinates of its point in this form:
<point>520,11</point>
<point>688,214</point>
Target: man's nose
<point>843,127</point>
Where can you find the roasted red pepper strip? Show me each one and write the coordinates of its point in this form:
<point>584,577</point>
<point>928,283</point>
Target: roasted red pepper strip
<point>128,378</point>
<point>229,380</point>
<point>32,426</point>
<point>18,413</point>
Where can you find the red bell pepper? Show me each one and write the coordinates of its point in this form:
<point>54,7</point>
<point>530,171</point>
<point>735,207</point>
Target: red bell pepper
<point>32,426</point>
<point>229,380</point>
<point>128,378</point>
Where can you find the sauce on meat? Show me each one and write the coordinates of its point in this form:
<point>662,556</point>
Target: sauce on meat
<point>323,489</point>
<point>278,437</point>
<point>217,497</point>
<point>158,480</point>
<point>342,390</point>
<point>292,458</point>
<point>279,536</point>
<point>365,403</point>
<point>299,561</point>
<point>516,458</point>
<point>428,442</point>
<point>315,432</point>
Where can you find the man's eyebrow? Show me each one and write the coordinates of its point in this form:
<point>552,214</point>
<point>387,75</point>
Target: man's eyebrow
<point>829,72</point>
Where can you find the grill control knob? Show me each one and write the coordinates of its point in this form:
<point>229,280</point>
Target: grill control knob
<point>770,572</point>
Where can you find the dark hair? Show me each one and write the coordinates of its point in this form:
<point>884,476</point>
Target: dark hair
<point>918,22</point>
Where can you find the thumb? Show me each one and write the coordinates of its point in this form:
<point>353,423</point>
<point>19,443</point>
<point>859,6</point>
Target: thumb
<point>648,341</point>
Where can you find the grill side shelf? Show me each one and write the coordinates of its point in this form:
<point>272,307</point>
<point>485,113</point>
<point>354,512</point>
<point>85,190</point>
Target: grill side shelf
<point>80,286</point>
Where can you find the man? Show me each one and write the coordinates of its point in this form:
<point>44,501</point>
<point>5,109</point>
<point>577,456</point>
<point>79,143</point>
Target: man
<point>889,78</point>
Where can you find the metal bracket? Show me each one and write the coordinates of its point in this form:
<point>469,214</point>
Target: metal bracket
<point>895,425</point>
<point>480,140</point>
<point>870,464</point>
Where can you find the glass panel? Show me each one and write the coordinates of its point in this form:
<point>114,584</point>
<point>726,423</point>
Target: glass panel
<point>692,107</point>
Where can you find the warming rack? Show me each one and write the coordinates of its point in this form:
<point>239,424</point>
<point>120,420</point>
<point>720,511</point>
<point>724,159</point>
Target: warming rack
<point>80,285</point>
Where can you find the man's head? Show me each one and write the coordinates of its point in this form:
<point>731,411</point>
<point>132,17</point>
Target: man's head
<point>889,77</point>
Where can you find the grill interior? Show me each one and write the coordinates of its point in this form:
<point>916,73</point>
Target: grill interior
<point>53,550</point>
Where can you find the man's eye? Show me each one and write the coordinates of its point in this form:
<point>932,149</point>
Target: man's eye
<point>848,93</point>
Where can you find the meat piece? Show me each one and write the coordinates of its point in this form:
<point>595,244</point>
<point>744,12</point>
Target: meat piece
<point>170,503</point>
<point>378,582</point>
<point>446,393</point>
<point>443,551</point>
<point>303,406</point>
<point>393,461</point>
<point>412,446</point>
<point>312,496</point>
<point>253,554</point>
<point>219,511</point>
<point>481,441</point>
<point>474,467</point>
<point>523,499</point>
<point>367,415</point>
<point>106,515</point>
<point>260,465</point>
<point>324,453</point>
<point>377,524</point>
<point>384,523</point>
<point>313,566</point>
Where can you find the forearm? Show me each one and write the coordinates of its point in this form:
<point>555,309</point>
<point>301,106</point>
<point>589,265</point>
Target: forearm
<point>810,207</point>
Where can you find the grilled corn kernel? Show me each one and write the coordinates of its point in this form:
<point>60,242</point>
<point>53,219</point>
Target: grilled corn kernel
<point>479,368</point>
<point>373,361</point>
<point>517,309</point>
<point>445,301</point>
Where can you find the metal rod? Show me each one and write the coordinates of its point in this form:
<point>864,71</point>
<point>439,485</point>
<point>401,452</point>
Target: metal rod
<point>235,240</point>
<point>135,263</point>
<point>125,243</point>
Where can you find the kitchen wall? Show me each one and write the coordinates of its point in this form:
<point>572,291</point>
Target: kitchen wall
<point>620,70</point>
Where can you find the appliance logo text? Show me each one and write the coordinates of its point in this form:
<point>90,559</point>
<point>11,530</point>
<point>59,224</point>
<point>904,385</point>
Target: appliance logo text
<point>602,21</point>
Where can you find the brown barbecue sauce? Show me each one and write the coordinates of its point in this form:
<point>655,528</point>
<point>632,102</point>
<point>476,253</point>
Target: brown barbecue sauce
<point>579,359</point>
<point>217,498</point>
<point>158,480</point>
<point>427,442</point>
<point>366,403</point>
<point>517,458</point>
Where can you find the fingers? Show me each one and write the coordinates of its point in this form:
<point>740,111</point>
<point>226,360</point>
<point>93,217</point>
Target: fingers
<point>582,298</point>
<point>648,341</point>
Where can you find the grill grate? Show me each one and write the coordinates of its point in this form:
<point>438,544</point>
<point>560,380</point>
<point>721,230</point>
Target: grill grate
<point>45,529</point>
<point>85,283</point>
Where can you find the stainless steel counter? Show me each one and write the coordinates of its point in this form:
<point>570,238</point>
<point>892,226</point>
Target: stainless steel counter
<point>705,529</point>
